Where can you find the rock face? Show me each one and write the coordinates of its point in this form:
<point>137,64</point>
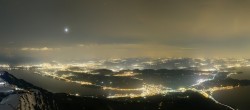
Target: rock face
<point>17,94</point>
<point>35,100</point>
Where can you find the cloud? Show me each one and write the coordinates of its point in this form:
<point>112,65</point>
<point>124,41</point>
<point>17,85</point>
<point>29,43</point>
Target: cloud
<point>37,49</point>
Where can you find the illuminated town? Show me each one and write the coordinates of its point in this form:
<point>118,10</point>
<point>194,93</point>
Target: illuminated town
<point>205,68</point>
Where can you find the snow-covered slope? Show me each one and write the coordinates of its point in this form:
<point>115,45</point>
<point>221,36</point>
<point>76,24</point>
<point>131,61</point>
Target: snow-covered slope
<point>13,97</point>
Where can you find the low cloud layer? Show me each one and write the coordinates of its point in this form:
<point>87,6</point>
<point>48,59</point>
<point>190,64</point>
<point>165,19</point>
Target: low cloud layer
<point>37,49</point>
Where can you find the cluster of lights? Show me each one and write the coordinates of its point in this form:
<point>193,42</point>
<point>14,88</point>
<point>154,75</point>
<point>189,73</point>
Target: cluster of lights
<point>213,89</point>
<point>4,66</point>
<point>82,82</point>
<point>64,78</point>
<point>51,70</point>
<point>120,89</point>
<point>198,63</point>
<point>127,74</point>
<point>146,90</point>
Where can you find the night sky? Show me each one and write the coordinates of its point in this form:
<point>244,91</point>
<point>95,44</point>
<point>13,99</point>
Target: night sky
<point>69,30</point>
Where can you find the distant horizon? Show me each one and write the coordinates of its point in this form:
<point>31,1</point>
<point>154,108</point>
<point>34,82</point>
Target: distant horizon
<point>124,59</point>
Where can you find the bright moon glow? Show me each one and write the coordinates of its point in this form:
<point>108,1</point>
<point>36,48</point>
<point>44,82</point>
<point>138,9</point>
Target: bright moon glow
<point>66,30</point>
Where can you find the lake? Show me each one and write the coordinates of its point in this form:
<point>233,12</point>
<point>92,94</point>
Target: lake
<point>238,98</point>
<point>53,85</point>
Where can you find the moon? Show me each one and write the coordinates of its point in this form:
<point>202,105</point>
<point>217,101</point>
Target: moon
<point>66,30</point>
